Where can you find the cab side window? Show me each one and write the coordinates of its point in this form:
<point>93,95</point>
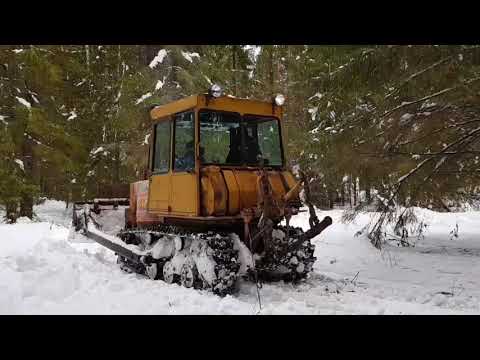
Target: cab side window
<point>184,154</point>
<point>161,154</point>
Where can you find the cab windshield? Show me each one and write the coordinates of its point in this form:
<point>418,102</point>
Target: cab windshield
<point>228,139</point>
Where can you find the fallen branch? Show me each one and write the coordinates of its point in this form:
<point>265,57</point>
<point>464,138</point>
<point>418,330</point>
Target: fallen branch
<point>355,277</point>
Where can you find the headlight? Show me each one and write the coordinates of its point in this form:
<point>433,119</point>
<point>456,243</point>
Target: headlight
<point>216,91</point>
<point>279,99</point>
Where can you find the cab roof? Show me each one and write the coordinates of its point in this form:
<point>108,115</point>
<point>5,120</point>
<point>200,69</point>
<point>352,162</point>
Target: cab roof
<point>225,103</point>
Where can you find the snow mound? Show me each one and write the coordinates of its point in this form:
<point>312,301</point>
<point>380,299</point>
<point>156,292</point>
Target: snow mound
<point>54,211</point>
<point>43,270</point>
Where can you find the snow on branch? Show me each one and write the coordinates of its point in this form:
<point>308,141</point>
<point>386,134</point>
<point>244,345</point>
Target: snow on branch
<point>443,152</point>
<point>160,84</point>
<point>24,102</point>
<point>20,164</point>
<point>158,59</point>
<point>189,56</point>
<point>143,98</point>
<point>441,92</point>
<point>418,73</point>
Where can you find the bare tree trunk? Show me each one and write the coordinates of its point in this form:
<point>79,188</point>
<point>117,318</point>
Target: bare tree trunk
<point>349,184</point>
<point>26,203</point>
<point>272,71</point>
<point>368,195</point>
<point>117,164</point>
<point>355,192</point>
<point>87,56</point>
<point>287,108</point>
<point>234,70</point>
<point>116,167</point>
<point>119,55</point>
<point>11,212</point>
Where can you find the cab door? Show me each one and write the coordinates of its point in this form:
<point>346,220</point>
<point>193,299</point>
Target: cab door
<point>184,179</point>
<point>160,179</point>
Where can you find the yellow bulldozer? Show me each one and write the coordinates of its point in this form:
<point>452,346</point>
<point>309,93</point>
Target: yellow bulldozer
<point>216,202</point>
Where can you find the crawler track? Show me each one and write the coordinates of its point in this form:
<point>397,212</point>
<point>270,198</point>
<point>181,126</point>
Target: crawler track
<point>199,260</point>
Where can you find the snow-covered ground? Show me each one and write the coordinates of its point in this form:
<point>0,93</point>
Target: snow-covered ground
<point>43,271</point>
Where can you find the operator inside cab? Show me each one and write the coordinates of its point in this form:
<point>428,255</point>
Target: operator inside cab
<point>233,140</point>
<point>186,160</point>
<point>235,153</point>
<point>252,149</point>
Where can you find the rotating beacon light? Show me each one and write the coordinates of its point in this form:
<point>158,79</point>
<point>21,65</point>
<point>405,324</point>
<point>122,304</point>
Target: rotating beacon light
<point>279,100</point>
<point>216,91</point>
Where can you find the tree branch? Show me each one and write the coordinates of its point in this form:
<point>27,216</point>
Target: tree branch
<point>450,126</point>
<point>418,73</point>
<point>434,65</point>
<point>428,97</point>
<point>420,154</point>
<point>402,179</point>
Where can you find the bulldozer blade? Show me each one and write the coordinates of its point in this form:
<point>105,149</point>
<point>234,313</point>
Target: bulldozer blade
<point>110,243</point>
<point>84,223</point>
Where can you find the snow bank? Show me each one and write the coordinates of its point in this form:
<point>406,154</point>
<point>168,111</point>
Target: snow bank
<point>112,221</point>
<point>43,272</point>
<point>54,211</point>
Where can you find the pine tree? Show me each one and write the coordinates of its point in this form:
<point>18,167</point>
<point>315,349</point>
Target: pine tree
<point>375,126</point>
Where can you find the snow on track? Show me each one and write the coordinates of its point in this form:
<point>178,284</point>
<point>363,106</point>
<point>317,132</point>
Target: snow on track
<point>44,271</point>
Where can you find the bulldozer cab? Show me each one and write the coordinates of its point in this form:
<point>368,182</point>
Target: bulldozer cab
<point>235,140</point>
<point>205,153</point>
